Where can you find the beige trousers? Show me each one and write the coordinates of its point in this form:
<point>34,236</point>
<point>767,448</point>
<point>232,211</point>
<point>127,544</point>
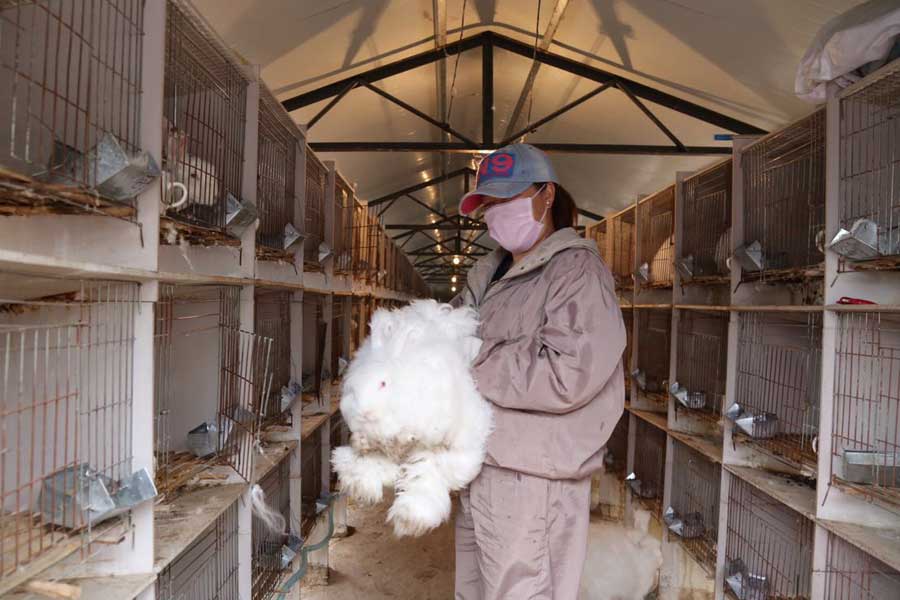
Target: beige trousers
<point>520,537</point>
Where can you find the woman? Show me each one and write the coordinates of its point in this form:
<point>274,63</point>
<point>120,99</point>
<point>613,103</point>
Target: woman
<point>551,367</point>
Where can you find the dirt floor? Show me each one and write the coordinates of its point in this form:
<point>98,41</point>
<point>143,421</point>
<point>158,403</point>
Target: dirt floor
<point>372,564</point>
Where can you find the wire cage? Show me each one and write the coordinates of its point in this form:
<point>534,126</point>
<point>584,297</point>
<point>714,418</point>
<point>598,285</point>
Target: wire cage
<point>204,114</point>
<point>651,373</point>
<point>869,201</point>
<point>628,320</point>
<point>706,226</point>
<point>344,209</point>
<point>339,437</point>
<point>272,320</point>
<point>622,230</point>
<point>316,365</point>
<point>851,574</point>
<point>656,217</point>
<point>314,207</point>
<point>278,138</point>
<point>649,466</point>
<point>186,319</point>
<point>338,327</point>
<point>701,363</point>
<point>866,435</point>
<point>597,232</point>
<point>694,502</point>
<point>366,244</point>
<point>66,375</point>
<point>310,481</point>
<point>769,547</point>
<point>70,92</point>
<point>208,568</point>
<point>268,566</point>
<point>784,203</point>
<point>212,383</point>
<point>776,405</point>
<point>616,458</point>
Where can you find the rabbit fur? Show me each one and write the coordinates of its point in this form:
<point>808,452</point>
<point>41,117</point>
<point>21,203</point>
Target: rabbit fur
<point>416,419</point>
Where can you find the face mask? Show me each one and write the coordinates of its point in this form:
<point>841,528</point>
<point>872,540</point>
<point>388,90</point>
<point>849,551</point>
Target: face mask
<point>512,224</point>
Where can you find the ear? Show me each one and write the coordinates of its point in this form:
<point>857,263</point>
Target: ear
<point>549,194</point>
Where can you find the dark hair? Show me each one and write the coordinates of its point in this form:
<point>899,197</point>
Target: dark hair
<point>564,211</point>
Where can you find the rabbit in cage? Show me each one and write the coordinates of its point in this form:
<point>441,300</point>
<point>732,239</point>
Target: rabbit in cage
<point>190,183</point>
<point>416,418</point>
<point>661,269</point>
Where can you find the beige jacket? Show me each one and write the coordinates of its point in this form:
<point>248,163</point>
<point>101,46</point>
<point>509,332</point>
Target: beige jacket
<point>551,362</point>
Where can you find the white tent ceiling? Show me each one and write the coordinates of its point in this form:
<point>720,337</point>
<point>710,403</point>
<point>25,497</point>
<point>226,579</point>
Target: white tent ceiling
<point>737,57</point>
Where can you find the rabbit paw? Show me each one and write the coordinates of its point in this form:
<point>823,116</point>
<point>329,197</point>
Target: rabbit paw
<point>363,484</point>
<point>414,514</point>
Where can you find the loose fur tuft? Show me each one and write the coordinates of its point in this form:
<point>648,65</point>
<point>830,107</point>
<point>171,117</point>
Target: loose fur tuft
<point>417,421</point>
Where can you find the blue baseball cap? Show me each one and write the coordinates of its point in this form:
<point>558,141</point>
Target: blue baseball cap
<point>506,173</point>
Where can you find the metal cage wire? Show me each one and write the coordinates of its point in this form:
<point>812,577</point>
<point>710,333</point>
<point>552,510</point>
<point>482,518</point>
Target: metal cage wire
<point>628,320</point>
<point>66,377</point>
<point>649,466</point>
<point>870,157</point>
<point>338,319</point>
<point>769,546</point>
<point>784,200</point>
<point>344,204</point>
<point>616,457</point>
<point>622,230</point>
<point>187,317</point>
<point>267,544</point>
<point>866,435</point>
<point>706,224</point>
<point>276,171</point>
<point>695,499</point>
<point>272,320</point>
<point>314,208</point>
<point>204,114</point>
<point>315,340</point>
<point>69,75</point>
<point>702,362</point>
<point>311,480</point>
<point>656,222</point>
<point>208,568</point>
<point>851,574</point>
<point>778,382</point>
<point>653,351</point>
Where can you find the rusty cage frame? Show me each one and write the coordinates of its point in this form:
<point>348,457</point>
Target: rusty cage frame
<point>267,544</point>
<point>649,467</point>
<point>705,248</point>
<point>694,497</point>
<point>278,140</point>
<point>656,232</point>
<point>851,574</point>
<point>314,211</point>
<point>701,363</point>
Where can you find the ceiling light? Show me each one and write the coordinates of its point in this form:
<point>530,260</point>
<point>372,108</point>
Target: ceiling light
<point>455,260</point>
<point>453,279</point>
<point>453,289</point>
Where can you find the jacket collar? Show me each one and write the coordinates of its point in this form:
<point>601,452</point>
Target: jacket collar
<point>479,277</point>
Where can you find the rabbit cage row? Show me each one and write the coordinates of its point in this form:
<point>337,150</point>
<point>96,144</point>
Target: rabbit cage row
<point>66,376</point>
<point>649,467</point>
<point>693,511</point>
<point>209,404</point>
<point>70,76</point>
<point>208,568</point>
<point>269,539</point>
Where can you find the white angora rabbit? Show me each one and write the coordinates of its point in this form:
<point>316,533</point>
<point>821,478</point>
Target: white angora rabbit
<point>416,419</point>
